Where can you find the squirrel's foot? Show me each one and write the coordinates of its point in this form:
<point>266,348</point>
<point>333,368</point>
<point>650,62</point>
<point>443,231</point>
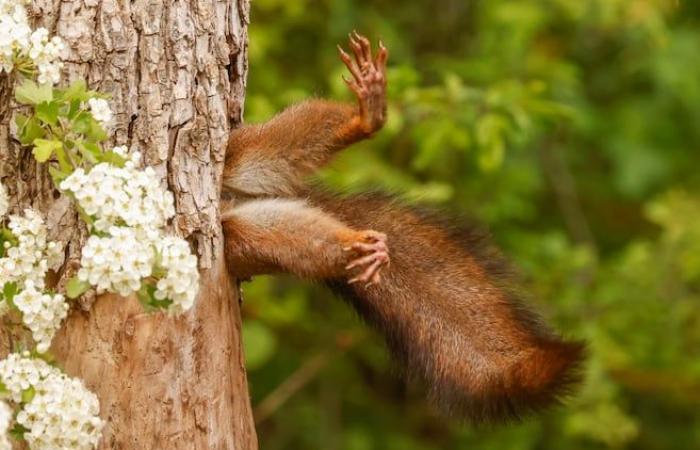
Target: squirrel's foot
<point>373,256</point>
<point>368,81</point>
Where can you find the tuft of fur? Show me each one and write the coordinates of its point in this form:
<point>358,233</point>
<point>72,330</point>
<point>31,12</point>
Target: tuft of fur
<point>449,317</point>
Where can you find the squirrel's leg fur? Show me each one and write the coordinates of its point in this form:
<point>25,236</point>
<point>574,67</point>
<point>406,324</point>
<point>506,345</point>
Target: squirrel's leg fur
<point>287,235</point>
<point>273,158</point>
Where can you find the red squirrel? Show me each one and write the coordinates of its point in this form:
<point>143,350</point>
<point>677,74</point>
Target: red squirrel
<point>440,300</point>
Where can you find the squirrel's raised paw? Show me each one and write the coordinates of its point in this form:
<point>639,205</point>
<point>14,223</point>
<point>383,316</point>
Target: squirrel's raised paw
<point>373,256</point>
<point>368,80</point>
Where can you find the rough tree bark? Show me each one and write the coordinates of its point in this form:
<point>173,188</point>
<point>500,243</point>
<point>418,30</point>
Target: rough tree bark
<point>176,72</point>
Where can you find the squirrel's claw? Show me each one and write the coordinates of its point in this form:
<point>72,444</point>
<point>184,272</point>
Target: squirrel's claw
<point>368,81</point>
<point>374,257</point>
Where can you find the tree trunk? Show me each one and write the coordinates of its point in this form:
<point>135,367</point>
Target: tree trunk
<point>176,72</point>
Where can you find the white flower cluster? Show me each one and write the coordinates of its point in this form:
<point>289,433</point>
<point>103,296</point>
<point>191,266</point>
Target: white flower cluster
<point>181,282</point>
<point>5,420</point>
<point>17,40</point>
<point>30,259</point>
<point>4,201</point>
<point>99,108</point>
<point>46,53</point>
<point>130,209</point>
<point>19,372</point>
<point>41,313</point>
<point>62,414</point>
<point>26,264</point>
<point>14,31</point>
<point>121,196</point>
<point>118,262</point>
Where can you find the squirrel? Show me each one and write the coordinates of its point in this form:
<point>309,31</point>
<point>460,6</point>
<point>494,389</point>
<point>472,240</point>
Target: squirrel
<point>440,300</point>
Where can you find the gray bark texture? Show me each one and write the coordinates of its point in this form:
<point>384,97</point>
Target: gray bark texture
<point>176,71</point>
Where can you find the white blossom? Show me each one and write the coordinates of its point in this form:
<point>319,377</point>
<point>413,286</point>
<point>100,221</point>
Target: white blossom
<point>32,255</point>
<point>18,41</point>
<point>181,280</point>
<point>5,420</point>
<point>41,313</point>
<point>121,196</point>
<point>14,32</point>
<point>61,414</point>
<point>46,53</point>
<point>4,201</point>
<point>122,150</point>
<point>19,372</point>
<point>100,111</point>
<point>118,262</point>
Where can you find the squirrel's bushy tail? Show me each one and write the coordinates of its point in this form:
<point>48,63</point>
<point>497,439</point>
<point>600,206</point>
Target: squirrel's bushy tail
<point>450,319</point>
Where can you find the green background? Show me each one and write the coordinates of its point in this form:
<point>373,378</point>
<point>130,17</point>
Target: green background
<point>571,129</point>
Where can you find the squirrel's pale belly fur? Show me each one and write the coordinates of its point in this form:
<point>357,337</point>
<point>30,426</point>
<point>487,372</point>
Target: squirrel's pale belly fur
<point>443,303</point>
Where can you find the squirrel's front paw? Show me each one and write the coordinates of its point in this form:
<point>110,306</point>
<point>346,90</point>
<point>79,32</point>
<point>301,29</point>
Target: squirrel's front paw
<point>373,255</point>
<point>368,81</point>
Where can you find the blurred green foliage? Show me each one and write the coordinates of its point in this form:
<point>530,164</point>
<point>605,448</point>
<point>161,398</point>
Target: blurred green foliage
<point>572,130</point>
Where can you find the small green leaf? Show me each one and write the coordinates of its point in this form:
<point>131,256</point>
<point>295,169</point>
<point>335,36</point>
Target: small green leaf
<point>21,120</point>
<point>73,109</point>
<point>81,123</point>
<point>113,158</point>
<point>47,112</point>
<point>90,151</point>
<point>31,130</point>
<point>30,93</point>
<point>28,395</point>
<point>63,161</point>
<point>75,287</point>
<point>150,303</point>
<point>9,291</point>
<point>44,148</point>
<point>57,175</point>
<point>3,388</point>
<point>76,91</point>
<point>18,431</point>
<point>7,235</point>
<point>96,132</point>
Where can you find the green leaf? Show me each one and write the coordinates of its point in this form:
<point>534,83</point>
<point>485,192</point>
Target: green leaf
<point>73,109</point>
<point>28,395</point>
<point>95,132</point>
<point>44,148</point>
<point>18,431</point>
<point>57,175</point>
<point>85,124</point>
<point>3,388</point>
<point>146,295</point>
<point>113,158</point>
<point>76,91</point>
<point>31,130</point>
<point>90,151</point>
<point>9,291</point>
<point>63,161</point>
<point>47,112</point>
<point>75,287</point>
<point>30,93</point>
<point>21,120</point>
<point>5,236</point>
<point>81,123</point>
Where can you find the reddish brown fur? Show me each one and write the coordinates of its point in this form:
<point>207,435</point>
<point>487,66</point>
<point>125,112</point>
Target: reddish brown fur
<point>443,304</point>
<point>452,323</point>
